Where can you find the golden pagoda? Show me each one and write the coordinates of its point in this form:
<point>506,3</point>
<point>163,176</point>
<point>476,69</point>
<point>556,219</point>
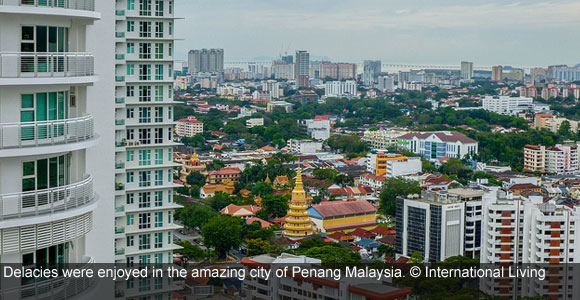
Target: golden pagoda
<point>298,224</point>
<point>192,165</point>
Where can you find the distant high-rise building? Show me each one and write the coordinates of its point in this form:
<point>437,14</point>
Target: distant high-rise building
<point>497,73</point>
<point>371,70</point>
<point>387,84</point>
<point>466,70</point>
<point>288,59</point>
<point>302,68</point>
<point>337,71</point>
<point>206,61</point>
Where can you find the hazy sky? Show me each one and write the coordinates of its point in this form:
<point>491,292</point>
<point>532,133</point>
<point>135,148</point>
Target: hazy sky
<point>487,32</point>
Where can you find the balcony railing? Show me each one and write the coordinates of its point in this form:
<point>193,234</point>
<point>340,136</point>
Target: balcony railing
<point>88,5</point>
<point>44,133</point>
<point>54,288</point>
<point>47,201</point>
<point>45,65</point>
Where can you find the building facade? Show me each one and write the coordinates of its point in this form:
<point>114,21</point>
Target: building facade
<point>497,73</point>
<point>205,61</point>
<point>304,146</point>
<point>341,89</point>
<point>318,129</point>
<point>371,70</point>
<point>302,68</point>
<point>506,105</point>
<point>466,70</point>
<point>382,138</point>
<point>337,71</point>
<point>558,159</point>
<point>188,127</point>
<point>439,144</point>
<point>144,132</point>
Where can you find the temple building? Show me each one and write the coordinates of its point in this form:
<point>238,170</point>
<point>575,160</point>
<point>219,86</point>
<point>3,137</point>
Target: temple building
<point>192,165</point>
<point>297,222</point>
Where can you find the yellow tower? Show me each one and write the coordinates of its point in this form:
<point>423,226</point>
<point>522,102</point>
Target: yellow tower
<point>297,222</point>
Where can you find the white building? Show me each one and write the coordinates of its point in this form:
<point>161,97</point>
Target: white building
<point>507,105</point>
<point>382,138</point>
<point>439,144</point>
<point>253,122</point>
<point>304,146</point>
<point>398,168</point>
<point>56,103</point>
<point>273,87</point>
<point>318,129</point>
<point>144,131</point>
<point>466,70</point>
<point>188,127</point>
<point>387,84</point>
<point>341,89</point>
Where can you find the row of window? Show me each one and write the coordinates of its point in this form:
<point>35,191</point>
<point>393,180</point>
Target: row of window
<point>145,240</point>
<point>145,28</point>
<point>146,69</point>
<point>145,178</point>
<point>145,114</point>
<point>145,135</point>
<point>145,220</point>
<point>145,92</point>
<point>145,50</point>
<point>146,7</point>
<point>145,156</point>
<point>144,198</point>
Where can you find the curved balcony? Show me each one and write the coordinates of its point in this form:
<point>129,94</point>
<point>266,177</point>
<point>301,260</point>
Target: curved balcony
<point>18,68</point>
<point>47,201</point>
<point>57,288</point>
<point>71,8</point>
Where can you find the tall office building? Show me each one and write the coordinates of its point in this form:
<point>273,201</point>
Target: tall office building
<point>302,68</point>
<point>144,132</point>
<point>50,112</point>
<point>497,73</point>
<point>206,61</point>
<point>466,70</point>
<point>371,70</point>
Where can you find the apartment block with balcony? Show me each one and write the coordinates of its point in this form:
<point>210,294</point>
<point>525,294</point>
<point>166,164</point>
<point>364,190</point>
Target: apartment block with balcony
<point>144,131</point>
<point>558,159</point>
<point>47,195</point>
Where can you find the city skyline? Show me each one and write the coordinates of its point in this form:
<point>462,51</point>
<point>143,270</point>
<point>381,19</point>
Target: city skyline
<point>456,31</point>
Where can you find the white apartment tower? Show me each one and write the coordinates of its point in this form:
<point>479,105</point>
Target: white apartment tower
<point>49,187</point>
<point>144,131</point>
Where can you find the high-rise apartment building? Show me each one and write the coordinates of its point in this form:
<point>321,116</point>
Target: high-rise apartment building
<point>337,71</point>
<point>51,83</point>
<point>302,68</point>
<point>206,61</point>
<point>341,89</point>
<point>144,132</point>
<point>387,84</point>
<point>497,73</point>
<point>558,159</point>
<point>466,70</point>
<point>371,70</point>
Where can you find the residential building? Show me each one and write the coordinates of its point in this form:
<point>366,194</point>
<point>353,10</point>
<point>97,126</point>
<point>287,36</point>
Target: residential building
<point>188,127</point>
<point>550,91</point>
<point>56,98</point>
<point>209,190</point>
<point>387,84</point>
<point>317,128</point>
<point>341,89</point>
<point>243,211</point>
<point>439,144</point>
<point>282,70</point>
<point>514,75</point>
<point>345,216</point>
<point>430,225</point>
<point>573,91</point>
<point>273,87</point>
<point>506,105</point>
<point>287,107</point>
<point>144,126</point>
<point>497,73</point>
<point>395,165</point>
<point>528,91</point>
<point>564,73</point>
<point>382,138</point>
<point>371,180</point>
<point>253,122</point>
<point>289,287</point>
<point>371,70</point>
<point>206,61</point>
<point>304,146</point>
<point>302,68</point>
<point>558,159</point>
<point>337,71</point>
<point>553,123</point>
<point>466,70</point>
<point>305,96</point>
<point>223,175</point>
<point>298,224</point>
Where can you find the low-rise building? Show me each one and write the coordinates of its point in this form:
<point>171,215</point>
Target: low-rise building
<point>304,146</point>
<point>253,122</point>
<point>317,128</point>
<point>305,96</point>
<point>395,165</point>
<point>287,107</point>
<point>343,216</point>
<point>246,212</point>
<point>188,127</point>
<point>439,144</point>
<point>223,175</point>
<point>382,138</point>
<point>506,105</point>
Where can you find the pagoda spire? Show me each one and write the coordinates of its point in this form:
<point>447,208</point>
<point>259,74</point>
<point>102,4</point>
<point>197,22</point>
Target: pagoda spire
<point>298,223</point>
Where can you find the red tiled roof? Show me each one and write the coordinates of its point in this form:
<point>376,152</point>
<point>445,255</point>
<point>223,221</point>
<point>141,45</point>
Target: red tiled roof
<point>350,191</point>
<point>383,230</point>
<point>340,208</point>
<point>522,186</point>
<point>387,240</point>
<point>363,233</point>
<point>263,224</point>
<point>232,209</point>
<point>340,236</point>
<point>225,171</point>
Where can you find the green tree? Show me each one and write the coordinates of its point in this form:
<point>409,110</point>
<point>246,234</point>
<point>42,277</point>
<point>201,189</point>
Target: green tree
<point>262,189</point>
<point>259,246</point>
<point>195,215</point>
<point>564,130</point>
<point>190,251</point>
<point>416,258</point>
<point>332,255</point>
<point>274,206</point>
<point>223,233</point>
<point>394,187</point>
<point>216,164</point>
<point>195,178</point>
<point>384,249</point>
<point>327,174</point>
<point>220,200</point>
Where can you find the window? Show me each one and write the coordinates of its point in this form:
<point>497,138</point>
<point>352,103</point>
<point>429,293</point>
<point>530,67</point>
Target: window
<point>144,72</point>
<point>144,200</point>
<point>144,94</point>
<point>144,114</point>
<point>144,220</point>
<point>130,48</point>
<point>159,8</point>
<point>130,198</point>
<point>158,239</point>
<point>130,281</point>
<point>130,69</point>
<point>170,92</point>
<point>169,237</point>
<point>158,29</point>
<point>43,107</point>
<point>170,49</point>
<point>158,50</point>
<point>130,134</point>
<point>159,280</point>
<point>144,178</point>
<point>158,72</point>
<point>170,6</point>
<point>159,135</point>
<point>145,8</point>
<point>130,113</point>
<point>130,241</point>
<point>130,91</point>
<point>145,29</point>
<point>43,39</point>
<point>169,217</point>
<point>159,219</point>
<point>130,26</point>
<point>169,154</point>
<point>159,93</point>
<point>158,177</point>
<point>168,197</point>
<point>43,174</point>
<point>144,284</point>
<point>158,156</point>
<point>170,28</point>
<point>144,241</point>
<point>158,114</point>
<point>130,177</point>
<point>130,220</point>
<point>145,50</point>
<point>144,157</point>
<point>130,4</point>
<point>145,136</point>
<point>144,259</point>
<point>158,198</point>
<point>169,112</point>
